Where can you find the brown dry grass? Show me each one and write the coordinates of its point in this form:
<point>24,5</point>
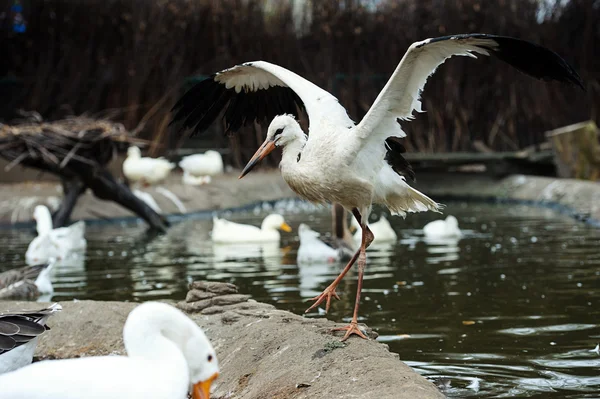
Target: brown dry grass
<point>134,56</point>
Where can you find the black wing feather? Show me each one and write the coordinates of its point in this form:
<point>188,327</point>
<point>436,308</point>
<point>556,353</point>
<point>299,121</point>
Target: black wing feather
<point>529,58</point>
<point>394,158</point>
<point>200,106</point>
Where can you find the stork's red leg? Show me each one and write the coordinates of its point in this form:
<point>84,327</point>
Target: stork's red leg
<point>330,290</point>
<point>352,328</point>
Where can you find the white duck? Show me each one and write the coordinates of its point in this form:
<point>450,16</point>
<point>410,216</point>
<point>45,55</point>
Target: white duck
<point>54,243</point>
<point>27,282</point>
<point>168,355</point>
<point>225,231</point>
<point>18,338</point>
<point>191,180</point>
<point>313,250</point>
<point>442,228</point>
<point>382,230</point>
<point>208,164</point>
<point>144,169</point>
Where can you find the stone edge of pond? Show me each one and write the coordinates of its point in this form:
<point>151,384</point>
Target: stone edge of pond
<point>579,199</point>
<point>576,198</point>
<point>263,352</point>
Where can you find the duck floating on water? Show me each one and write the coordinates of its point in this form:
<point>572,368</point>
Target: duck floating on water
<point>27,282</point>
<point>447,228</point>
<point>145,170</point>
<point>53,243</point>
<point>382,230</point>
<point>168,356</point>
<point>225,231</point>
<point>18,339</point>
<point>314,250</point>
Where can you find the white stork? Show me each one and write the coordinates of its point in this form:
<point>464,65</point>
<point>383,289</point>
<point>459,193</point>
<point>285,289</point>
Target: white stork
<point>354,165</point>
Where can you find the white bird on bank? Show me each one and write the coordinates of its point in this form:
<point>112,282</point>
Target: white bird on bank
<point>447,228</point>
<point>54,243</point>
<point>27,282</point>
<point>19,332</point>
<point>314,250</point>
<point>191,180</point>
<point>145,170</point>
<point>225,231</point>
<point>340,162</point>
<point>381,229</point>
<point>208,164</point>
<point>168,356</point>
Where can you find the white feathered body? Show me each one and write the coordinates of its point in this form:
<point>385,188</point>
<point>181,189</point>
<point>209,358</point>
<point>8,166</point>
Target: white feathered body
<point>191,180</point>
<point>167,354</point>
<point>447,228</point>
<point>328,171</point>
<point>144,169</point>
<point>382,230</point>
<point>124,378</point>
<point>312,249</point>
<point>54,243</point>
<point>208,164</point>
<point>225,231</point>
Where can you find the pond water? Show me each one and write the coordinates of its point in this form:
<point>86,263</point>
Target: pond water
<point>509,310</point>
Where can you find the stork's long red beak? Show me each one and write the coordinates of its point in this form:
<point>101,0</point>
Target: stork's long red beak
<point>201,390</point>
<point>264,150</point>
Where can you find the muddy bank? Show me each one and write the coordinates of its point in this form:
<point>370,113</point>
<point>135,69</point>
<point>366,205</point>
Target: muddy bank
<point>264,353</point>
<point>17,200</point>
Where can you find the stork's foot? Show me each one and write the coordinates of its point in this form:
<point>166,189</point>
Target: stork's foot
<point>325,295</point>
<point>350,329</point>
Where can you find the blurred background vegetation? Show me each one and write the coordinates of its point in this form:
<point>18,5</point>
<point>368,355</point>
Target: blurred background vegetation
<point>131,59</point>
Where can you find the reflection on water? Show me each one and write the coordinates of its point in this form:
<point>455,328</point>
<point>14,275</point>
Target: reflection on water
<point>508,310</point>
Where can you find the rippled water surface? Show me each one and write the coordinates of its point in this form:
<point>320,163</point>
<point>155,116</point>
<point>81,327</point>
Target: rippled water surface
<point>510,310</point>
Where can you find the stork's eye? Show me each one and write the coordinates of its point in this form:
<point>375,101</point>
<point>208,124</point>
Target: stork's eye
<point>278,131</point>
<point>210,357</point>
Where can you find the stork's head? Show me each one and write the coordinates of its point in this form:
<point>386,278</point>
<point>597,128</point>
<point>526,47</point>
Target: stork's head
<point>283,130</point>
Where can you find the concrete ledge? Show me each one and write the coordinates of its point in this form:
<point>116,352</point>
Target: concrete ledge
<point>263,352</point>
<point>577,198</point>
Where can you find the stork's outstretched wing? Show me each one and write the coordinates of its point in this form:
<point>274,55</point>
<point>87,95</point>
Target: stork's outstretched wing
<point>400,96</point>
<point>255,91</point>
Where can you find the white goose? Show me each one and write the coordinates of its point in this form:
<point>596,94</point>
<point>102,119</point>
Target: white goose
<point>208,164</point>
<point>145,170</point>
<point>168,356</point>
<point>340,162</point>
<point>382,230</point>
<point>27,282</point>
<point>18,338</point>
<point>53,243</point>
<point>313,250</point>
<point>225,231</point>
<point>447,228</point>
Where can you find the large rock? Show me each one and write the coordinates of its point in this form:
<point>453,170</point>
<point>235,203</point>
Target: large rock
<point>264,353</point>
